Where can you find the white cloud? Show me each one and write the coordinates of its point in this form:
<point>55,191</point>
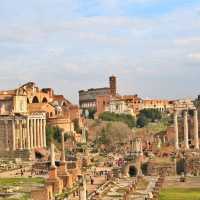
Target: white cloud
<point>147,51</point>
<point>195,56</point>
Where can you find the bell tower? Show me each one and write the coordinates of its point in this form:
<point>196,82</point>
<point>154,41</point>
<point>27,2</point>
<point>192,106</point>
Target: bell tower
<point>113,85</point>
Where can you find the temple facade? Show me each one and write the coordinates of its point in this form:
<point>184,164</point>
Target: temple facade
<point>19,132</point>
<point>26,111</point>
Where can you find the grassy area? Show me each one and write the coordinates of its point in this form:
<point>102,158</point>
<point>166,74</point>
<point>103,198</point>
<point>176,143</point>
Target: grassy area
<point>157,127</point>
<point>20,181</point>
<point>24,185</point>
<point>22,197</point>
<point>180,194</point>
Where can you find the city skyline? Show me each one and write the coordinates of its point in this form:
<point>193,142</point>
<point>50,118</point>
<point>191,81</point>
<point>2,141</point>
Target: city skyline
<point>152,46</point>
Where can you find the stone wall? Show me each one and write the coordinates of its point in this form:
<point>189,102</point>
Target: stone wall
<point>155,169</point>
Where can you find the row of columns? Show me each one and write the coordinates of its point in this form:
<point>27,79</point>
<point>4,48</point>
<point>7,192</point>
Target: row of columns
<point>28,133</point>
<point>186,131</point>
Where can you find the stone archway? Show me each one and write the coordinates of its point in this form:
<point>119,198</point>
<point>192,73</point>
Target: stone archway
<point>132,171</point>
<point>35,100</point>
<point>44,100</point>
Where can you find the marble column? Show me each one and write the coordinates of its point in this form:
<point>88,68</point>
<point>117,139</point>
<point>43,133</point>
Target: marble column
<point>44,132</point>
<point>31,132</point>
<point>52,156</point>
<point>20,134</point>
<point>41,134</point>
<point>196,130</point>
<point>6,135</point>
<point>17,134</point>
<point>13,136</point>
<point>176,130</point>
<point>28,133</point>
<point>83,191</point>
<point>38,132</point>
<point>186,130</point>
<point>34,133</point>
<point>23,135</point>
<point>63,149</point>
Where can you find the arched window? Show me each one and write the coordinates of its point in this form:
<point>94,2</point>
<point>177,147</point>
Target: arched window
<point>44,100</point>
<point>64,104</point>
<point>35,100</point>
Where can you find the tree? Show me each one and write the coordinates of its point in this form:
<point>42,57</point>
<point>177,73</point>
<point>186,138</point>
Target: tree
<point>142,121</point>
<point>76,126</point>
<point>126,118</point>
<point>89,113</point>
<point>148,115</point>
<point>53,133</point>
<point>113,136</point>
<point>151,114</point>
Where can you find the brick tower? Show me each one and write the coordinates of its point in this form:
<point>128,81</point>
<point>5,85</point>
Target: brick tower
<point>113,85</point>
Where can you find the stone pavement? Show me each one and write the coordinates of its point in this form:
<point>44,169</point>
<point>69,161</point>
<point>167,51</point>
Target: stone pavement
<point>140,194</point>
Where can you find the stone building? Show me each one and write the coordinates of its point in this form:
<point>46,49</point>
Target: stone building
<point>127,104</point>
<point>24,114</point>
<point>19,132</point>
<point>159,104</point>
<point>87,98</point>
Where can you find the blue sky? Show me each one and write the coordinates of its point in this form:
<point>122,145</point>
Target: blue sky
<point>152,46</point>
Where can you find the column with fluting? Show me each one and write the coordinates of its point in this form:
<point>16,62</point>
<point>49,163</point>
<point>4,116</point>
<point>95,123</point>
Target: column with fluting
<point>196,130</point>
<point>176,130</point>
<point>186,130</point>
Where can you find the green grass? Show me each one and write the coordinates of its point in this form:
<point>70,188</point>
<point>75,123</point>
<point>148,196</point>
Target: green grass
<point>20,181</point>
<point>23,197</point>
<point>180,194</point>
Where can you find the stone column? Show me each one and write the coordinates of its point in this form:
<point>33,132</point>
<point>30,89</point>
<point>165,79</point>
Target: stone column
<point>83,191</point>
<point>20,134</point>
<point>52,156</point>
<point>196,130</point>
<point>41,134</point>
<point>34,133</point>
<point>38,132</point>
<point>17,133</point>
<point>31,132</point>
<point>28,133</point>
<point>6,135</point>
<point>186,130</point>
<point>13,135</point>
<point>176,130</point>
<point>44,132</point>
<point>63,149</point>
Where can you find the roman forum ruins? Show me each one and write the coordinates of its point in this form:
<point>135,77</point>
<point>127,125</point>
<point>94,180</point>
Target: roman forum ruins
<point>185,145</point>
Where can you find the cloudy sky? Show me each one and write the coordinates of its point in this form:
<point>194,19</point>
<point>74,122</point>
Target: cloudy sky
<point>152,46</point>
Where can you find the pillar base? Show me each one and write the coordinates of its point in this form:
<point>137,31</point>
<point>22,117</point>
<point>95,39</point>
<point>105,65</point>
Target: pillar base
<point>56,183</point>
<point>65,176</point>
<point>54,180</point>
